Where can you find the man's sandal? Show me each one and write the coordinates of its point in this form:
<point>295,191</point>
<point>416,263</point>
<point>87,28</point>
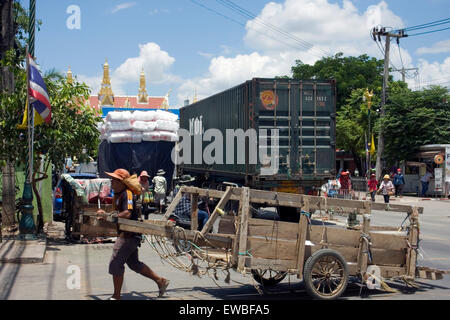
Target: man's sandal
<point>163,287</point>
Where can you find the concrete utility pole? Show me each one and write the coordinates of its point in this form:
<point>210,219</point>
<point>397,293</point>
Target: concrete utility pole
<point>377,33</point>
<point>403,72</point>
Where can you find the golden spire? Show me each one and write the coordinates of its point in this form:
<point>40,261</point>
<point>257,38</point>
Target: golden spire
<point>142,95</point>
<point>195,96</point>
<point>69,76</point>
<point>165,104</point>
<point>106,96</point>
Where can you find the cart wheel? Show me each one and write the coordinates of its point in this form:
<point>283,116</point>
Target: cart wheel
<point>325,274</point>
<point>268,278</point>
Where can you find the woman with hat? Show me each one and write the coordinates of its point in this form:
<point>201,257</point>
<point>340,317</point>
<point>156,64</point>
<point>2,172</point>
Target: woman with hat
<point>145,194</point>
<point>160,189</point>
<point>387,189</point>
<point>125,249</point>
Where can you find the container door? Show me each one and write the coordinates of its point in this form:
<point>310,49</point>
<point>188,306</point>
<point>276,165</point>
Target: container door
<point>316,151</point>
<point>276,107</point>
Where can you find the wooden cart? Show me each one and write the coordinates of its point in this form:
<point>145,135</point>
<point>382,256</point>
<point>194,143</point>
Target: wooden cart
<point>323,255</point>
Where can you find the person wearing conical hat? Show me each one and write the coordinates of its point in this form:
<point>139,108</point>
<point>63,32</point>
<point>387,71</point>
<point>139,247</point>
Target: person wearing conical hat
<point>125,249</point>
<point>160,189</point>
<point>386,189</point>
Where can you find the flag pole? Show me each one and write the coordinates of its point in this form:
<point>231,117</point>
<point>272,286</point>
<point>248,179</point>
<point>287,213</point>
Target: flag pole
<point>27,226</point>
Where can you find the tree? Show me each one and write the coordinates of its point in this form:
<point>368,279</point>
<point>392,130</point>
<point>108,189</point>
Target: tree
<point>73,127</point>
<point>352,125</point>
<point>350,73</point>
<point>413,119</point>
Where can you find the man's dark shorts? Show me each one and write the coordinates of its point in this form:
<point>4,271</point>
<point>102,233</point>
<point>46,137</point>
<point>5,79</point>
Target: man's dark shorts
<point>125,250</point>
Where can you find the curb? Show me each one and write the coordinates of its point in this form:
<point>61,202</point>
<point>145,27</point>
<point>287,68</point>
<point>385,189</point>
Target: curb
<point>23,251</point>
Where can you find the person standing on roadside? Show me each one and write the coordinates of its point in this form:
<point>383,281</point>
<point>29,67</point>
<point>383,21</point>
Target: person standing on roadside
<point>425,180</point>
<point>160,189</point>
<point>399,182</point>
<point>373,185</point>
<point>145,193</point>
<point>386,189</point>
<point>125,249</point>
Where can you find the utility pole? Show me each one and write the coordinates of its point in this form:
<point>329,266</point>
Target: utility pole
<point>403,72</point>
<point>377,33</point>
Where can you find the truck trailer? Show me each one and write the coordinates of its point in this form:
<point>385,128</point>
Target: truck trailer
<point>267,134</point>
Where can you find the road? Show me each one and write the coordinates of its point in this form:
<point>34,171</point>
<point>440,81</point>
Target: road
<point>52,280</point>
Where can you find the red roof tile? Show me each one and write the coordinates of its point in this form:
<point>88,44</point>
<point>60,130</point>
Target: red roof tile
<point>121,101</point>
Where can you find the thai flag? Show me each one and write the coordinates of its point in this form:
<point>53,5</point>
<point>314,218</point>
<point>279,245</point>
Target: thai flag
<point>38,91</point>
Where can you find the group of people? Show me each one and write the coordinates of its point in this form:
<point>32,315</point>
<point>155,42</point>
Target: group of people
<point>387,187</point>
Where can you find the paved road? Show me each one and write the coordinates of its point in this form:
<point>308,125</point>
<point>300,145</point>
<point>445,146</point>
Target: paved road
<point>48,280</point>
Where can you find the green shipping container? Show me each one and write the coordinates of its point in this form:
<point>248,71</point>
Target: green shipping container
<point>303,112</point>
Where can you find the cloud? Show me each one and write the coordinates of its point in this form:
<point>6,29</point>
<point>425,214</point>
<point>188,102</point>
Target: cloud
<point>431,73</point>
<point>225,72</point>
<point>315,27</point>
<point>155,62</point>
<point>438,47</point>
<point>123,6</point>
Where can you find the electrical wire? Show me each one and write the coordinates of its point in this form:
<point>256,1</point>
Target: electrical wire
<point>421,33</point>
<point>427,25</point>
<point>243,25</point>
<point>245,13</point>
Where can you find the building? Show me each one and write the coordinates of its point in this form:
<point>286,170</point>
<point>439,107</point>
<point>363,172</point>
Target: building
<point>107,101</point>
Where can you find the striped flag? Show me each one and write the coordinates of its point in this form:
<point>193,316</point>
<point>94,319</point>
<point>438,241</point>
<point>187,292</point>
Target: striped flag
<point>39,99</point>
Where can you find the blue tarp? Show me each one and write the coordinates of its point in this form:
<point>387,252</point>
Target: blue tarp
<point>136,157</point>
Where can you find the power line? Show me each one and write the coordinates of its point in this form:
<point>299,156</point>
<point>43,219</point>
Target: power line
<point>243,12</point>
<point>427,25</point>
<point>241,24</point>
<point>421,33</point>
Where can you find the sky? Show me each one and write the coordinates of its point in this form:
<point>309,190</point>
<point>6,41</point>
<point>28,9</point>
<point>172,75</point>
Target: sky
<point>203,47</point>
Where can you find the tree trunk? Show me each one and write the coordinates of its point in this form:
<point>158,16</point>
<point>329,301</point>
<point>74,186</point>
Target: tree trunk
<point>7,37</point>
<point>8,194</point>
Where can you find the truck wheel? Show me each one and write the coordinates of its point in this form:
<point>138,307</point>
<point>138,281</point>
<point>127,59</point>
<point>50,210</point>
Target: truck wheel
<point>325,274</point>
<point>268,278</point>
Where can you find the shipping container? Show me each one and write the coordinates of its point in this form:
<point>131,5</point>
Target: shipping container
<point>303,112</point>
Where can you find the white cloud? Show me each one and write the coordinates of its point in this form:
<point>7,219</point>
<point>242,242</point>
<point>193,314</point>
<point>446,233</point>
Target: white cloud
<point>123,6</point>
<point>318,26</point>
<point>155,62</point>
<point>227,72</point>
<point>432,73</point>
<point>438,47</point>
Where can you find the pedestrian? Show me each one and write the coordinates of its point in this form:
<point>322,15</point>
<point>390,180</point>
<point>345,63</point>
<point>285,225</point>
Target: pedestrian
<point>373,185</point>
<point>125,249</point>
<point>425,180</point>
<point>145,194</point>
<point>346,185</point>
<point>183,208</point>
<point>160,189</point>
<point>386,189</point>
<point>399,182</point>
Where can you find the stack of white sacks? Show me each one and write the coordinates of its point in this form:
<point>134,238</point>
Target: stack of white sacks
<point>138,126</point>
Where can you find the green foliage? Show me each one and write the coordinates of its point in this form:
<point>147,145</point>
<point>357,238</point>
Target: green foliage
<point>72,128</point>
<point>350,73</point>
<point>352,123</point>
<point>413,119</point>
